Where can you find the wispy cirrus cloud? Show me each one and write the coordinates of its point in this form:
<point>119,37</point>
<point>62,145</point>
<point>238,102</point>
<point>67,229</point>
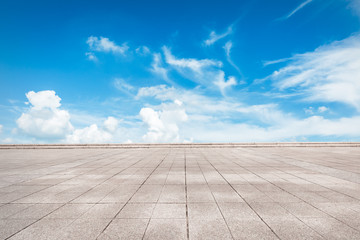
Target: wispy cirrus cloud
<point>298,8</point>
<point>91,56</point>
<point>227,47</point>
<point>158,68</point>
<point>206,72</point>
<point>143,50</point>
<point>355,6</point>
<point>121,85</point>
<point>223,84</point>
<point>214,37</point>
<point>189,63</point>
<point>271,62</point>
<point>103,44</point>
<point>331,73</point>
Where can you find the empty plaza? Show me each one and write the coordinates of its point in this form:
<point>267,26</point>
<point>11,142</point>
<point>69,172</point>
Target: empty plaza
<point>180,192</point>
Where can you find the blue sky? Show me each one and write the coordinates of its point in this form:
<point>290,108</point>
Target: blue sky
<point>179,71</point>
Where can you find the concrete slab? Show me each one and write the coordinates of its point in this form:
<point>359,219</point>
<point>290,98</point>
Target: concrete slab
<point>191,191</point>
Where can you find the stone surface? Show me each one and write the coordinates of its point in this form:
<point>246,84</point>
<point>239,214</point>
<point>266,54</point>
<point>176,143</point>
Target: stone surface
<point>203,191</point>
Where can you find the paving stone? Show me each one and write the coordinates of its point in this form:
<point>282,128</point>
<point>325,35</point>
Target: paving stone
<point>70,211</point>
<point>180,192</point>
<point>36,211</point>
<point>131,229</point>
<point>137,210</point>
<point>8,210</point>
<point>250,229</point>
<point>169,211</point>
<point>103,211</point>
<point>173,194</point>
<point>147,193</point>
<point>208,229</point>
<point>204,211</point>
<point>9,227</point>
<point>166,229</point>
<point>199,193</point>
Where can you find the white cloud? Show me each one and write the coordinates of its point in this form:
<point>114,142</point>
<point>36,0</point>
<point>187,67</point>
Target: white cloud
<point>43,99</point>
<point>206,72</point>
<point>212,119</point>
<point>355,6</point>
<point>1,127</point>
<point>8,141</point>
<point>44,119</point>
<point>266,63</point>
<point>309,110</point>
<point>331,73</point>
<point>291,131</point>
<point>303,4</point>
<point>158,68</point>
<point>143,50</point>
<point>94,134</point>
<point>191,63</point>
<point>103,44</point>
<point>91,56</point>
<point>195,101</point>
<point>91,134</point>
<point>111,124</point>
<point>322,109</point>
<point>312,110</point>
<point>121,85</point>
<point>163,124</point>
<point>216,37</point>
<point>222,84</point>
<point>227,47</point>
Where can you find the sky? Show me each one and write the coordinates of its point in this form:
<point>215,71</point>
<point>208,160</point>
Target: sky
<point>185,71</point>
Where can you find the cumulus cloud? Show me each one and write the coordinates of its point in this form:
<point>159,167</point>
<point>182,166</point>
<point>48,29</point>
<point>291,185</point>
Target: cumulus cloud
<point>331,73</point>
<point>94,134</point>
<point>111,124</point>
<point>43,99</point>
<point>214,37</point>
<point>44,118</point>
<point>91,134</point>
<point>163,124</point>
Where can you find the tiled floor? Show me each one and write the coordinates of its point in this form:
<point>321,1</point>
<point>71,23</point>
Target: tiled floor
<point>180,193</point>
